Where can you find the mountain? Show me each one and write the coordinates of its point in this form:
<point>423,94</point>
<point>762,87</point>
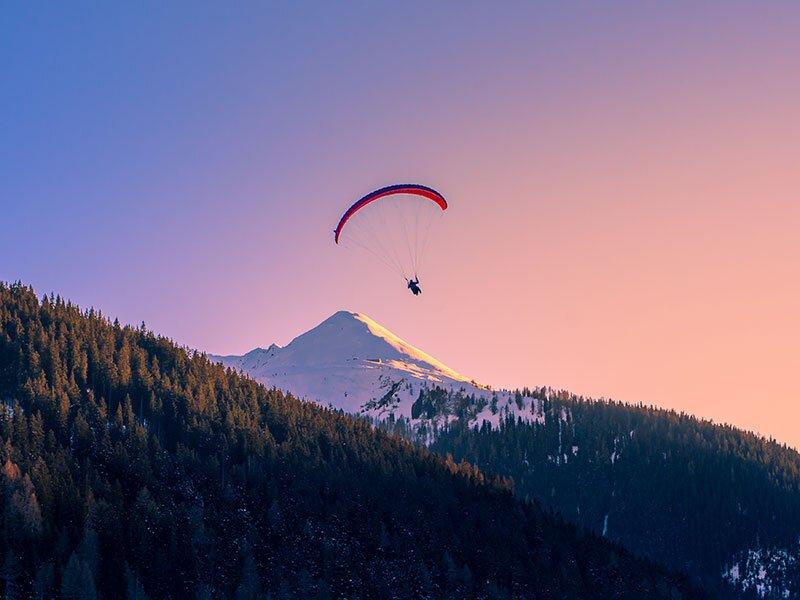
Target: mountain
<point>718,503</point>
<point>348,361</point>
<point>133,468</point>
<point>712,501</point>
<point>352,363</point>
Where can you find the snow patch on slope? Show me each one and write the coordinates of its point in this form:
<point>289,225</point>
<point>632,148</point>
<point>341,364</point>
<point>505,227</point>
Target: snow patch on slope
<point>763,571</point>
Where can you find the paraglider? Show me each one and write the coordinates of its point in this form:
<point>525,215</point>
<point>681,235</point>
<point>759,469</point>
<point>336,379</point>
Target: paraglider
<point>413,285</point>
<point>394,225</point>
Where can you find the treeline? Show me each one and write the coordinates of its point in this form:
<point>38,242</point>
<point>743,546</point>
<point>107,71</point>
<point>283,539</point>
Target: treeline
<point>681,491</point>
<point>134,468</point>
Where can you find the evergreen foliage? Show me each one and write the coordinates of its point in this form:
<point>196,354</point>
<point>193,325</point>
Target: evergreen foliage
<point>135,468</point>
<point>689,494</point>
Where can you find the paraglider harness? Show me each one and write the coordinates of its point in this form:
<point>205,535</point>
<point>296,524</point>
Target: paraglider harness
<point>413,285</point>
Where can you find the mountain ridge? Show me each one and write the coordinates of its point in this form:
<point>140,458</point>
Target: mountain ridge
<point>553,444</point>
<point>350,361</point>
<point>134,467</point>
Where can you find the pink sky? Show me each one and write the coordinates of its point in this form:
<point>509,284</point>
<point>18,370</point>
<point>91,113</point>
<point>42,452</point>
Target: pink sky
<point>624,186</point>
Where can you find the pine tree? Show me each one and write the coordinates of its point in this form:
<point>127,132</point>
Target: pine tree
<point>11,572</point>
<point>43,584</point>
<point>250,584</point>
<point>77,582</point>
<point>133,587</point>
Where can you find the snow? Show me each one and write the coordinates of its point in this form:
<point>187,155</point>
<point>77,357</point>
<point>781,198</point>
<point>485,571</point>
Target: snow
<point>615,453</point>
<point>733,573</point>
<point>352,363</point>
<point>766,571</point>
<point>346,361</point>
<point>560,436</point>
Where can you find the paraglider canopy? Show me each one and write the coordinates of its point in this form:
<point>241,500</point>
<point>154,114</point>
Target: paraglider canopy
<point>401,188</point>
<point>393,224</point>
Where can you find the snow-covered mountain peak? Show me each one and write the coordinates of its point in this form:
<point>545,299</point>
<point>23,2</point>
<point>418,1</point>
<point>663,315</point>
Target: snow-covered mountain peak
<point>260,351</point>
<point>351,362</point>
<point>350,336</point>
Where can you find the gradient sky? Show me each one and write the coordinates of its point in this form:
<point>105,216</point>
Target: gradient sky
<point>624,181</point>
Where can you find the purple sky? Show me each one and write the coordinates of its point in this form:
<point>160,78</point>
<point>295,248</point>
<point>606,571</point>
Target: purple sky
<point>623,183</point>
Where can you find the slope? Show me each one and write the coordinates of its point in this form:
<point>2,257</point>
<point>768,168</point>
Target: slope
<point>713,501</point>
<point>131,466</point>
<point>352,363</point>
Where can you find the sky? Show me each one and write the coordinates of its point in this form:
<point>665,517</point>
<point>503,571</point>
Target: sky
<point>623,179</point>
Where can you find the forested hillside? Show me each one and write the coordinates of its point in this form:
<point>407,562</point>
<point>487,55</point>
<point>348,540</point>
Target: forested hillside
<point>133,468</point>
<point>713,501</point>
